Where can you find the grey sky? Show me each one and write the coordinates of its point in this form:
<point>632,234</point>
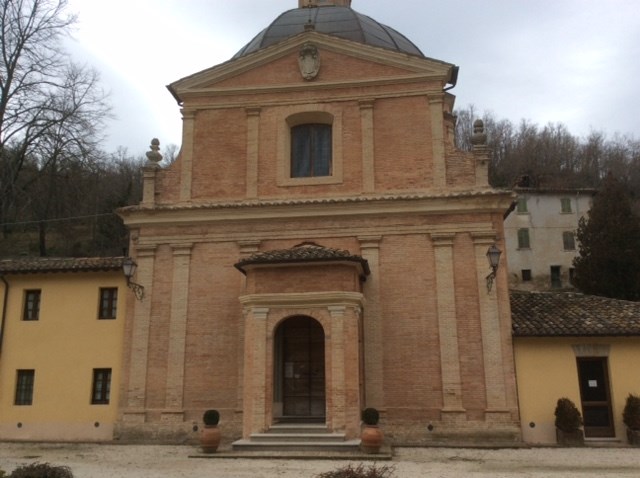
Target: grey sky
<point>571,61</point>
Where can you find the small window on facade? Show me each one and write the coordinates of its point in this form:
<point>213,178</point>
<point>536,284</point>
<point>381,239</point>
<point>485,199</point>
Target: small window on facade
<point>556,281</point>
<point>565,205</point>
<point>108,303</point>
<point>101,389</point>
<point>526,275</point>
<point>31,305</point>
<point>523,239</point>
<point>568,240</point>
<point>24,387</point>
<point>311,150</point>
<point>521,206</point>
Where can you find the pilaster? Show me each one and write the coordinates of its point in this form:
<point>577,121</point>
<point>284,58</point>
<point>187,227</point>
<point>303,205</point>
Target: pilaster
<point>436,108</point>
<point>178,327</point>
<point>246,248</point>
<point>491,330</point>
<point>368,153</point>
<point>186,153</point>
<point>253,137</point>
<point>447,325</point>
<point>137,387</point>
<point>372,324</point>
<point>255,372</point>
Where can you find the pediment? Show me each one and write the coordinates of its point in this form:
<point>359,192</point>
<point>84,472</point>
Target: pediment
<point>341,62</point>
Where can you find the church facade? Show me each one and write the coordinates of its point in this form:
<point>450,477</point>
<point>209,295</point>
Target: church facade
<point>320,247</point>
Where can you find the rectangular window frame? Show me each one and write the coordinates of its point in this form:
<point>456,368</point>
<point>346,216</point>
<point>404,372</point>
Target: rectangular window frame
<point>526,275</point>
<point>311,150</point>
<point>25,381</point>
<point>108,303</point>
<point>101,386</point>
<point>524,240</point>
<point>555,276</point>
<point>31,308</point>
<point>521,206</point>
<point>565,205</point>
<point>312,113</point>
<point>569,241</point>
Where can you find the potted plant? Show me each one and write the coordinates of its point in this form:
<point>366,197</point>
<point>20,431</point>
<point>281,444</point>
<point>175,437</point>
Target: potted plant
<point>631,418</point>
<point>210,435</point>
<point>371,437</point>
<point>568,422</point>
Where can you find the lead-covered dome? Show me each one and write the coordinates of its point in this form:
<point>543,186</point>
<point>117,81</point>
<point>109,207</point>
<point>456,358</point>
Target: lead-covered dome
<point>339,21</point>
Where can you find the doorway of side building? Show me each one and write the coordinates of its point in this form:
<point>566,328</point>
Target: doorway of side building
<point>299,375</point>
<point>595,395</point>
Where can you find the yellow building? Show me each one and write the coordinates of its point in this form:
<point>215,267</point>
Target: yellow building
<point>60,348</point>
<point>585,348</point>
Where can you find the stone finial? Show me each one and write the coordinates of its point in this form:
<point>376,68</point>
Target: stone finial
<point>154,156</point>
<point>479,136</point>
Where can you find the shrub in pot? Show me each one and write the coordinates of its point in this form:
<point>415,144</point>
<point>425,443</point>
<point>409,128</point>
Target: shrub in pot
<point>568,422</point>
<point>210,435</point>
<point>371,437</point>
<point>631,418</point>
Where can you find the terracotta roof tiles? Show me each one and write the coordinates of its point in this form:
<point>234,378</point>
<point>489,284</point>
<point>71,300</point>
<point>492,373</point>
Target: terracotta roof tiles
<point>570,314</point>
<point>30,265</point>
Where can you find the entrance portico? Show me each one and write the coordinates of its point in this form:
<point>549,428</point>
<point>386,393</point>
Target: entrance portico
<point>303,352</point>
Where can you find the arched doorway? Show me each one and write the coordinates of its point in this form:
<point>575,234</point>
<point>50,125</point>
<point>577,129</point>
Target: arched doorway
<point>299,375</point>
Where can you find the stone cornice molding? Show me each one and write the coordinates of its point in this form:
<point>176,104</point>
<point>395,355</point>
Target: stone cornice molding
<point>461,202</point>
<point>303,300</point>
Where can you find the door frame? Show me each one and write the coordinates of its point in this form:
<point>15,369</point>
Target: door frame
<point>592,431</point>
<point>280,372</point>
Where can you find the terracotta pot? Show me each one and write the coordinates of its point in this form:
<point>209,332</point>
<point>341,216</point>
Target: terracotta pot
<point>210,438</point>
<point>371,439</point>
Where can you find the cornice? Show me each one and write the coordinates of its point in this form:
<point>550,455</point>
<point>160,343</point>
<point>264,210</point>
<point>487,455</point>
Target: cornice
<point>303,299</point>
<point>460,202</point>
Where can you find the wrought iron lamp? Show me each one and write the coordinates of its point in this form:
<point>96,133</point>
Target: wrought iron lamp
<point>129,268</point>
<point>493,255</point>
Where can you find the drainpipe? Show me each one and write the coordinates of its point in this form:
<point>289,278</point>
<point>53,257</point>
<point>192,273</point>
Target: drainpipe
<point>4,310</point>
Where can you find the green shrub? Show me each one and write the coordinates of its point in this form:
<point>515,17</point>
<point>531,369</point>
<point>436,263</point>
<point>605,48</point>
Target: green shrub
<point>41,470</point>
<point>370,416</point>
<point>568,418</point>
<point>631,412</point>
<point>211,417</point>
<point>359,471</point>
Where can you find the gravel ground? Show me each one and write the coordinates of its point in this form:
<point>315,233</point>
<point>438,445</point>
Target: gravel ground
<point>147,461</point>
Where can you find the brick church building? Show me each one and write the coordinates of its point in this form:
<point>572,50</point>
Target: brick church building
<point>320,247</point>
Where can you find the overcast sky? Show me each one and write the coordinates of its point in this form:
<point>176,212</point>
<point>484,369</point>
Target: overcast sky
<point>575,62</point>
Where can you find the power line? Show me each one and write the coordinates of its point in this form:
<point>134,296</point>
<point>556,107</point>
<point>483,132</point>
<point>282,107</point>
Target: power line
<point>24,223</point>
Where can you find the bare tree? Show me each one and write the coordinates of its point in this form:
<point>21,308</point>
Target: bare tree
<point>51,110</point>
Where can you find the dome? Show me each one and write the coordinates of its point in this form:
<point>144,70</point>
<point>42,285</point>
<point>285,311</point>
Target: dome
<point>339,21</point>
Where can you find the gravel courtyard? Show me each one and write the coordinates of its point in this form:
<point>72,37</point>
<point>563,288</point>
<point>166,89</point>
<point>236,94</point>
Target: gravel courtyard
<point>137,461</point>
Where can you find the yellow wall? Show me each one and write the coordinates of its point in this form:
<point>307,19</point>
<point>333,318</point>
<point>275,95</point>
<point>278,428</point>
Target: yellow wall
<point>63,347</point>
<point>546,371</point>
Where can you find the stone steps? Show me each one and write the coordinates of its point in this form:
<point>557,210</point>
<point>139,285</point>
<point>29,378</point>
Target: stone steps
<point>299,438</point>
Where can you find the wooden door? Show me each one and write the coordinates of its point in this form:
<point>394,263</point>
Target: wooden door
<point>593,375</point>
<point>303,376</point>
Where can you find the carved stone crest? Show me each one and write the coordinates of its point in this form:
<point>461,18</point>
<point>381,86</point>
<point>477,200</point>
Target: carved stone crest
<point>309,61</point>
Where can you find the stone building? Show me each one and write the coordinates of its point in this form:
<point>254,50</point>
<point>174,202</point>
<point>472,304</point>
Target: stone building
<point>319,247</point>
<point>540,236</point>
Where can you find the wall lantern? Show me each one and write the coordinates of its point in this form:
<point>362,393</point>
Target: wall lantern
<point>493,255</point>
<point>129,268</point>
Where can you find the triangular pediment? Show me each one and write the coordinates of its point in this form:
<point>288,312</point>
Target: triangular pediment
<point>341,61</point>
